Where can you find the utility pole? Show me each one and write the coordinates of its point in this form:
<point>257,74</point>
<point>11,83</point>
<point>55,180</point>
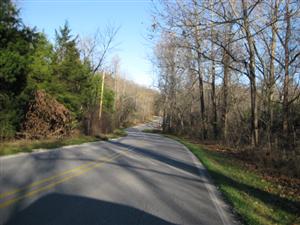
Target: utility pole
<point>101,95</point>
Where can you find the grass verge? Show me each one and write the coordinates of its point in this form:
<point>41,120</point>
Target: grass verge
<point>14,147</point>
<point>256,200</point>
<point>116,134</point>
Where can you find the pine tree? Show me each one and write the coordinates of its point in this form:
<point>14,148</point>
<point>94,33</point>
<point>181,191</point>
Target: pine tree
<point>16,46</point>
<point>73,74</point>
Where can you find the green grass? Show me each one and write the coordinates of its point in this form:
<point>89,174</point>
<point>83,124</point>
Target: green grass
<point>255,200</point>
<point>116,134</point>
<point>14,147</point>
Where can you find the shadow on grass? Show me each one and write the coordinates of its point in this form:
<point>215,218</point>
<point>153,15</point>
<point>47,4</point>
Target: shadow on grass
<point>271,200</point>
<point>266,197</point>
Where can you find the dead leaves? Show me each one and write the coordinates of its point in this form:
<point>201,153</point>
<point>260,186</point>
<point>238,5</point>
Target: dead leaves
<point>46,117</point>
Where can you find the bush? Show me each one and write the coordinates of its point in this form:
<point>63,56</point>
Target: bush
<point>7,128</point>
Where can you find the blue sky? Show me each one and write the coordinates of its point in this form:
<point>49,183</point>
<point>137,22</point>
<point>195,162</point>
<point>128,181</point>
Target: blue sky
<point>85,16</point>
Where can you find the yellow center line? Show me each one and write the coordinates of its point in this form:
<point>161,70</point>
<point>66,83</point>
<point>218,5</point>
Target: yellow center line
<point>51,185</point>
<point>39,182</point>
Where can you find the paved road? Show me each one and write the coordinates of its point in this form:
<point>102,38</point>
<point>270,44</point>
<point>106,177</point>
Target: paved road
<point>139,179</point>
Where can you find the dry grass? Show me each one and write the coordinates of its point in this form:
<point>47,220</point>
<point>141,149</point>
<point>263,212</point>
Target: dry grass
<point>17,146</point>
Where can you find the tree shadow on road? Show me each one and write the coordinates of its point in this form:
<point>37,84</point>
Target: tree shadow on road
<point>187,167</point>
<point>266,197</point>
<point>61,209</point>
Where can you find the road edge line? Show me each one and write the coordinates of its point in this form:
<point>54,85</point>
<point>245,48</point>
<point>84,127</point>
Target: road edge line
<point>221,206</point>
<point>223,209</point>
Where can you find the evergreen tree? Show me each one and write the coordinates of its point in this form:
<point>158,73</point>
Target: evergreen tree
<point>41,67</point>
<point>73,74</point>
<point>29,62</point>
<point>16,46</point>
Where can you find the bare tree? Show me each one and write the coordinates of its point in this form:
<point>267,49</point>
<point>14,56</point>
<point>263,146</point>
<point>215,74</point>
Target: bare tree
<point>96,48</point>
<point>222,50</point>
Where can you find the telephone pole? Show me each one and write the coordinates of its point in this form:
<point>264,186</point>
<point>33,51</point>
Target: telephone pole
<point>101,95</point>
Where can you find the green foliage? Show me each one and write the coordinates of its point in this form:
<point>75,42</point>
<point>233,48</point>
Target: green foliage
<point>40,72</point>
<point>8,118</point>
<point>94,94</point>
<point>108,100</point>
<point>41,67</point>
<point>73,75</point>
<point>29,62</point>
<point>16,46</point>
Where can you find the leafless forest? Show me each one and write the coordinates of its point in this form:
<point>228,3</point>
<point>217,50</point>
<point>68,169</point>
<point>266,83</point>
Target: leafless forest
<point>229,71</point>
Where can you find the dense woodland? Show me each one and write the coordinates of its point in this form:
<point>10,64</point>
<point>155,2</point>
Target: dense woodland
<point>68,83</point>
<point>229,71</point>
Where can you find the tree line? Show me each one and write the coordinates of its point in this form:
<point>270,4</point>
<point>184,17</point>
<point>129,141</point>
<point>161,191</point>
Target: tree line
<point>69,70</point>
<point>229,70</point>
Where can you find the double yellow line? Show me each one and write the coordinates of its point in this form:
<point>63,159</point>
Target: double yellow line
<point>74,172</point>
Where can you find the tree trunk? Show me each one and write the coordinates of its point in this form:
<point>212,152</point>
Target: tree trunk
<point>213,100</point>
<point>225,97</point>
<point>201,94</point>
<point>213,79</point>
<point>286,76</point>
<point>252,76</point>
<point>271,80</point>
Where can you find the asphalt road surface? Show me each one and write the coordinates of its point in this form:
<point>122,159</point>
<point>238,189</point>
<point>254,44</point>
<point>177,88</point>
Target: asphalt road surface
<point>139,179</point>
